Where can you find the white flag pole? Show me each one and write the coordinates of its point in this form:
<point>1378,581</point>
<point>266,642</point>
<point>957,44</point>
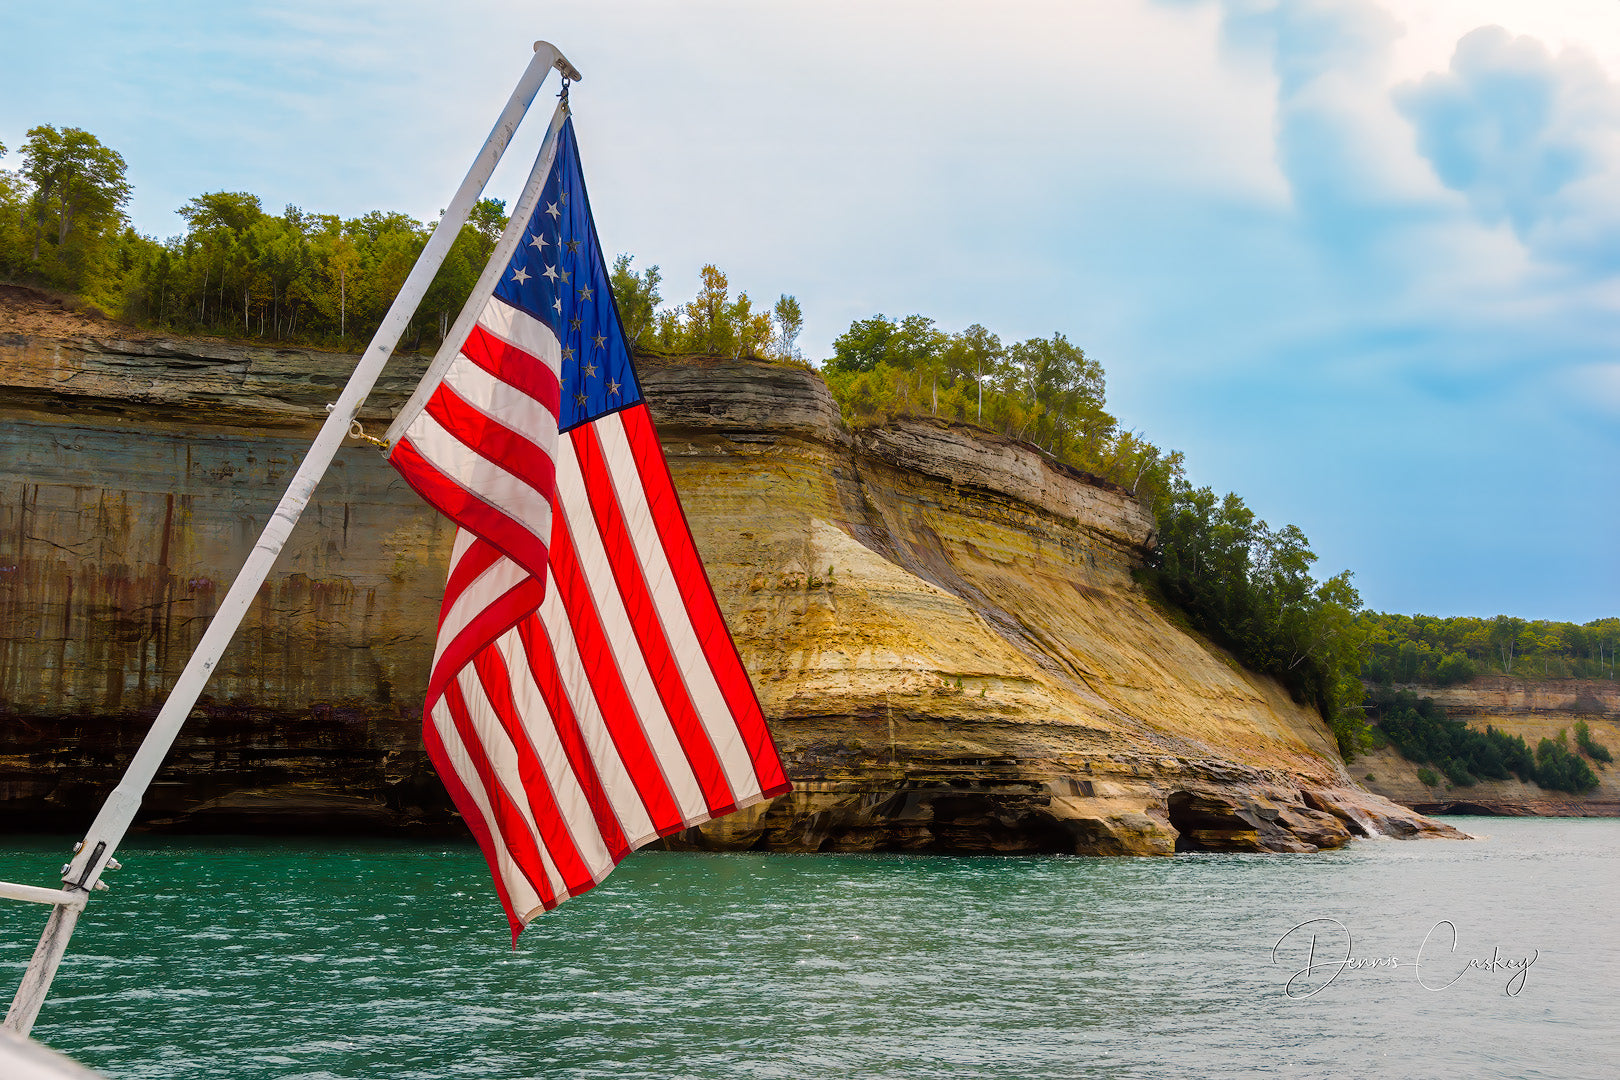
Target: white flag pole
<point>94,855</point>
<point>517,227</point>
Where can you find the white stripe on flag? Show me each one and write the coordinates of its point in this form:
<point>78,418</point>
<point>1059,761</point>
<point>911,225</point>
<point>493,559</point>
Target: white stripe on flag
<point>503,403</point>
<point>481,477</point>
<point>503,760</point>
<point>499,578</point>
<point>539,725</point>
<point>522,331</point>
<point>464,540</point>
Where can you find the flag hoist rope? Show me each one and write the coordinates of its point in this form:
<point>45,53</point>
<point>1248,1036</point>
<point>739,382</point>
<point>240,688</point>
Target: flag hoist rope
<point>94,855</point>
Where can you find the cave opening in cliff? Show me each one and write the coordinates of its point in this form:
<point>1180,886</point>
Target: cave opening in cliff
<point>1185,821</point>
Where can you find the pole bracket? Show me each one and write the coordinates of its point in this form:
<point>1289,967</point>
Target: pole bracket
<point>569,71</point>
<point>92,865</point>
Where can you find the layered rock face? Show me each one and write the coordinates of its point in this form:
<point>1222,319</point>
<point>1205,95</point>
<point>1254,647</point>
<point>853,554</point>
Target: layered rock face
<point>942,625</point>
<point>1533,709</point>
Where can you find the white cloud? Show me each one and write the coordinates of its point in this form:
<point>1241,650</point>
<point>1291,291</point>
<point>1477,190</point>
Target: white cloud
<point>1528,137</point>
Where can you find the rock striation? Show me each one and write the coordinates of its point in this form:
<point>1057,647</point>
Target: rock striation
<point>1534,709</point>
<point>942,624</point>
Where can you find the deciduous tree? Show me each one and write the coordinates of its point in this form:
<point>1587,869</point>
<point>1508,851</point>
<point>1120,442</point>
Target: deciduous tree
<point>707,328</point>
<point>636,295</point>
<point>77,193</point>
<point>789,321</point>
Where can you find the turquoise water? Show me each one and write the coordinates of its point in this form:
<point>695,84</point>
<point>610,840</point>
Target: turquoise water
<point>361,959</point>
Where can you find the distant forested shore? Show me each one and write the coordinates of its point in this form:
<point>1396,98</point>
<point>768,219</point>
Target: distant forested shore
<point>242,272</point>
<point>1443,651</point>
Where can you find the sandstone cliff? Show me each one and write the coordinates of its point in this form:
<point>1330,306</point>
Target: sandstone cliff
<point>1534,709</point>
<point>942,625</point>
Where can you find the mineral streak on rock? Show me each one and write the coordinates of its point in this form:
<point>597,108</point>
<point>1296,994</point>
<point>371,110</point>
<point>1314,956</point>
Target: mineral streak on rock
<point>941,623</point>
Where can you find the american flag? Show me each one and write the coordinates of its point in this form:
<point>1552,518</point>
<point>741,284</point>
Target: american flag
<point>585,696</point>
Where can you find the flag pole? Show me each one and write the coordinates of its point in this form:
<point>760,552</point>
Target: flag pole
<point>516,226</point>
<point>83,873</point>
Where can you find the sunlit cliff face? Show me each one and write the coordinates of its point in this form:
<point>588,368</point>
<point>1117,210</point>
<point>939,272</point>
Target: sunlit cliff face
<point>944,629</point>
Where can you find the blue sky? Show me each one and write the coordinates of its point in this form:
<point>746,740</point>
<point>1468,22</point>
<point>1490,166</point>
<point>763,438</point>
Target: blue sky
<point>1360,260</point>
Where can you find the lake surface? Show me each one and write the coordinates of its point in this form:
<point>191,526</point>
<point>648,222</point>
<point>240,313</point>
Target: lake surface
<point>226,958</point>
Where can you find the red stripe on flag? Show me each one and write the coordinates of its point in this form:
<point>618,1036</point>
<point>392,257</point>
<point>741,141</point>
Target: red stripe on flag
<point>497,682</point>
<point>493,441</point>
<point>514,831</point>
<point>698,594</point>
<point>455,502</point>
<point>650,635</point>
<point>479,556</point>
<point>471,814</point>
<point>612,700</point>
<point>513,366</point>
<point>543,666</point>
<point>496,619</point>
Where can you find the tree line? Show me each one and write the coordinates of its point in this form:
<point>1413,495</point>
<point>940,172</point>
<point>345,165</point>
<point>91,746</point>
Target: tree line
<point>713,323</point>
<point>1250,588</point>
<point>237,270</point>
<point>1440,651</point>
<point>240,271</point>
<point>62,219</point>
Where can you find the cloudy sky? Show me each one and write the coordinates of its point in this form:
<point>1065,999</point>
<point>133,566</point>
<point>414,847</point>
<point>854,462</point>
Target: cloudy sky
<point>1359,260</point>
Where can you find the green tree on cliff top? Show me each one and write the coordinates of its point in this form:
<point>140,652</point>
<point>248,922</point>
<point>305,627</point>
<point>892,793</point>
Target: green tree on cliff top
<point>67,199</point>
<point>636,295</point>
<point>789,321</point>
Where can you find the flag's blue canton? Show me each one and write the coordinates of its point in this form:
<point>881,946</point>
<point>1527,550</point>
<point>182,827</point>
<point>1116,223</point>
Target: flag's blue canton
<point>559,277</point>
